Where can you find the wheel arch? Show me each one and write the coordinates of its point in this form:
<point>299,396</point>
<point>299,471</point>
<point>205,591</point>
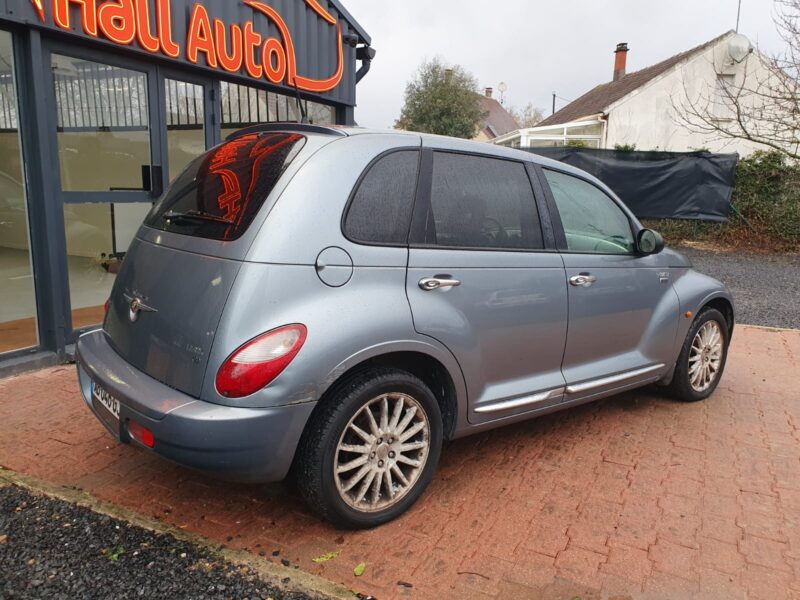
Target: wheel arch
<point>435,367</point>
<point>725,306</point>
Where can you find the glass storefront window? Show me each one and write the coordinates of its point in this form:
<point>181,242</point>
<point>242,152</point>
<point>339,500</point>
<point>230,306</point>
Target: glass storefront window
<point>18,328</point>
<point>185,117</point>
<point>98,235</point>
<point>243,106</point>
<point>103,125</point>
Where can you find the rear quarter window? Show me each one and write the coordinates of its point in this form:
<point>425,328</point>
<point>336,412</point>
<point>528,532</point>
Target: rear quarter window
<point>380,210</point>
<point>220,193</point>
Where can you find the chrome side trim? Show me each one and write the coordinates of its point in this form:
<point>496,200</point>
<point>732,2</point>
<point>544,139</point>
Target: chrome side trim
<point>597,383</point>
<point>518,402</point>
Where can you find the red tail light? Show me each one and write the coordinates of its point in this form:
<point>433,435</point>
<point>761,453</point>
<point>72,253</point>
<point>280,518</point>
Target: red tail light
<point>106,305</point>
<point>258,362</point>
<point>141,434</point>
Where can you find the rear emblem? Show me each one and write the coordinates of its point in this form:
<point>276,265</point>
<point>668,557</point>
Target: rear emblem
<point>136,306</point>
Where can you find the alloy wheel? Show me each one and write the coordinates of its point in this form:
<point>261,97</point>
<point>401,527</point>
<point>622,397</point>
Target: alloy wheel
<point>382,452</point>
<point>705,356</point>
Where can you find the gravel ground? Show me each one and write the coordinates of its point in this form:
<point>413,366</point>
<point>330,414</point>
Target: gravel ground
<point>766,288</point>
<point>52,549</point>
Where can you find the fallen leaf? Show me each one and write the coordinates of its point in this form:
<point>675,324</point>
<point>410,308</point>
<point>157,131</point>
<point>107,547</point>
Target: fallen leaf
<point>359,570</point>
<point>115,554</point>
<point>3,539</point>
<point>325,557</point>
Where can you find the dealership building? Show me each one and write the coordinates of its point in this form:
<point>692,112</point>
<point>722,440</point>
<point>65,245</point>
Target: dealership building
<point>104,102</point>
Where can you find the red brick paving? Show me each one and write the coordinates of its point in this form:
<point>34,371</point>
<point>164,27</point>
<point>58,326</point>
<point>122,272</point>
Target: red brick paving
<point>636,496</point>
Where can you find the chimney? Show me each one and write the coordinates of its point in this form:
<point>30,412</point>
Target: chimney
<point>620,60</point>
<point>448,75</point>
<point>489,92</point>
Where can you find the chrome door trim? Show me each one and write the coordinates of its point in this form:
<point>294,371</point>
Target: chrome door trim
<point>518,402</point>
<point>429,284</point>
<point>583,280</point>
<point>597,383</point>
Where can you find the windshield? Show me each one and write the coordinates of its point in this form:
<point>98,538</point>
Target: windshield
<point>220,193</point>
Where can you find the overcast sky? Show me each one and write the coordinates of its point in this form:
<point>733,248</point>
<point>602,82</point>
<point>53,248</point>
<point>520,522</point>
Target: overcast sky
<point>536,47</point>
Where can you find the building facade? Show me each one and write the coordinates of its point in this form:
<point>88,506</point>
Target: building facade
<point>644,108</point>
<point>103,103</point>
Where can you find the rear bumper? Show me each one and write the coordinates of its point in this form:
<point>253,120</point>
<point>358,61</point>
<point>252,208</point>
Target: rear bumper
<point>238,444</point>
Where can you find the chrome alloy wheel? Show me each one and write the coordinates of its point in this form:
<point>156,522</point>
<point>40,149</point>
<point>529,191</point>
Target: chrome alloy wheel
<point>705,356</point>
<point>382,452</point>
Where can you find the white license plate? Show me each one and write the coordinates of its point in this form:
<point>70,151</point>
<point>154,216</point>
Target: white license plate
<point>107,400</point>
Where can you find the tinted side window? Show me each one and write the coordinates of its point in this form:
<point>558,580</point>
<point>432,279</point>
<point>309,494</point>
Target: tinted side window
<point>381,208</point>
<point>479,202</point>
<point>592,221</point>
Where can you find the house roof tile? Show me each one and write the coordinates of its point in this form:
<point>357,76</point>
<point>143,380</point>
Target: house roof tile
<point>498,121</point>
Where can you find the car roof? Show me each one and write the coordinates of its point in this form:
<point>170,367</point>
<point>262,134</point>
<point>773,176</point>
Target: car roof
<point>427,139</point>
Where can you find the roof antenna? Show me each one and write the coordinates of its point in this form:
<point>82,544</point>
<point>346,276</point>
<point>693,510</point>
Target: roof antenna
<point>300,107</point>
<point>738,16</point>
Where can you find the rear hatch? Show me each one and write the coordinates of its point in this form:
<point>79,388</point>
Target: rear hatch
<point>168,298</point>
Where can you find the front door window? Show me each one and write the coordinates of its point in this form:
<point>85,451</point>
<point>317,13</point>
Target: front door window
<point>592,221</point>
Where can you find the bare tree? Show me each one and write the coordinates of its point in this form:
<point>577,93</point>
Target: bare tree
<point>763,106</point>
<point>529,116</point>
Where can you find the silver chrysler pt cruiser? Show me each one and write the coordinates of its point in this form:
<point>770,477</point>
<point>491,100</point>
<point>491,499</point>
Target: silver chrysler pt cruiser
<point>334,303</point>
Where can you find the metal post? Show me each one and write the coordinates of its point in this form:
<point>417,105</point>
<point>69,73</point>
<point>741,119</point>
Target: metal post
<point>738,16</point>
<point>554,103</point>
<point>45,210</point>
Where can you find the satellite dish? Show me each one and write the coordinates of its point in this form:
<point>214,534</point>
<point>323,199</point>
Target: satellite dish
<point>502,87</point>
<point>739,47</point>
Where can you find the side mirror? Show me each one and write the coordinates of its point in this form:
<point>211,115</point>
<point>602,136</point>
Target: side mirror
<point>649,242</point>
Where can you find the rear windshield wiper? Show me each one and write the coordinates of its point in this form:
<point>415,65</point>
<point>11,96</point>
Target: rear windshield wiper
<point>195,215</point>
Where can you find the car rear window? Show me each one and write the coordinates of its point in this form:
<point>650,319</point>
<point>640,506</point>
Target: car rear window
<point>220,193</point>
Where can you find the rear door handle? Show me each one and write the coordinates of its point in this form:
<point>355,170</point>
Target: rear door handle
<point>440,281</point>
<point>582,280</point>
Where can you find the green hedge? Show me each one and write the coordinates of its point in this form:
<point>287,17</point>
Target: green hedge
<point>766,209</point>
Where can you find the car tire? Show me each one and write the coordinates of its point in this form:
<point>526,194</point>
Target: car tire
<point>341,433</point>
<point>688,384</point>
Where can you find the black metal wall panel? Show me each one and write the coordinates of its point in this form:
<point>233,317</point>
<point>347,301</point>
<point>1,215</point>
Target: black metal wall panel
<point>315,39</point>
<point>660,185</point>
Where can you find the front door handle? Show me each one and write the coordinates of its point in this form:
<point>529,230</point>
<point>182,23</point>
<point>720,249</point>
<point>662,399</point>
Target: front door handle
<point>440,281</point>
<point>582,280</point>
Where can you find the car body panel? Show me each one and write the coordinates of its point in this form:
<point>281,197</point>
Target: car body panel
<point>174,329</point>
<point>339,321</point>
<point>513,329</point>
<point>624,322</point>
<point>495,322</point>
<point>238,444</point>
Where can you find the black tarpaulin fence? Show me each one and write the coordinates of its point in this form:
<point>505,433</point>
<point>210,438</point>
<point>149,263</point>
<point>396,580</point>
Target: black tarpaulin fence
<point>660,185</point>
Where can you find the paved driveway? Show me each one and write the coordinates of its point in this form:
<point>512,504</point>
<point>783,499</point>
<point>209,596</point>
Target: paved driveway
<point>634,496</point>
<point>763,285</point>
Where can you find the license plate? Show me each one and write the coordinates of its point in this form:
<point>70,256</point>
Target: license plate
<point>108,401</point>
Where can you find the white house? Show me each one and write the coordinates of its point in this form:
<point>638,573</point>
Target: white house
<point>644,108</point>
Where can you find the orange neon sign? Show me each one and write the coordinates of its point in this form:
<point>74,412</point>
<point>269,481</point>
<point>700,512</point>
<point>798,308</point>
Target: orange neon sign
<point>233,48</point>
